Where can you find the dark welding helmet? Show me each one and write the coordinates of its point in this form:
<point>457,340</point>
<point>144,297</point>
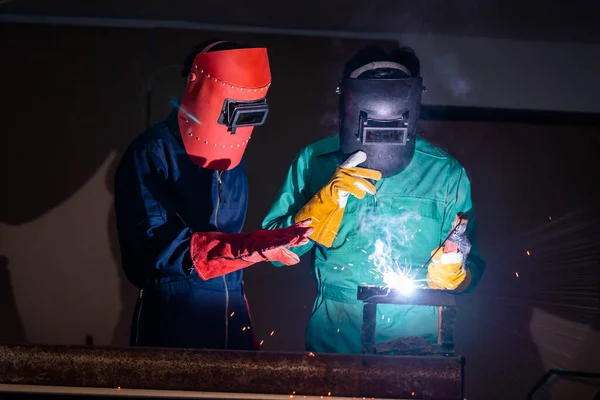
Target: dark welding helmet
<point>378,114</point>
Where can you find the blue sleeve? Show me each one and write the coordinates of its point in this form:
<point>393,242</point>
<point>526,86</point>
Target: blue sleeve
<point>153,241</point>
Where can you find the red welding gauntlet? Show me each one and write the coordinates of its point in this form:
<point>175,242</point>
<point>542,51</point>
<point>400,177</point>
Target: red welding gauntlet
<point>216,253</point>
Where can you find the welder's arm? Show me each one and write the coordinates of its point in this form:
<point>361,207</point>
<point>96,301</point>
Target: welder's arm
<point>444,272</point>
<point>153,240</point>
<point>154,237</point>
<point>292,196</point>
<point>217,253</point>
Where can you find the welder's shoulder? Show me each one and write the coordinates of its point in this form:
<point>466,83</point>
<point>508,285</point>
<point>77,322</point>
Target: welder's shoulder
<point>428,149</point>
<point>157,141</point>
<point>327,145</point>
<point>432,153</point>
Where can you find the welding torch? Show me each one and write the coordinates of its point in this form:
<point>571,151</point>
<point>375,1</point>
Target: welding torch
<point>459,228</point>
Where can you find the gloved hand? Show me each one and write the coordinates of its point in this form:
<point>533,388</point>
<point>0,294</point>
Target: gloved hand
<point>446,271</point>
<point>326,208</point>
<point>216,253</point>
<point>458,241</point>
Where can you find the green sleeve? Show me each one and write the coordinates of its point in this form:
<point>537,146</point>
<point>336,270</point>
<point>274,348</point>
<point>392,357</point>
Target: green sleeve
<point>291,198</point>
<point>459,199</point>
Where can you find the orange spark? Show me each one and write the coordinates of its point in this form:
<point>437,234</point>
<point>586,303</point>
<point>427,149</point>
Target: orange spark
<point>550,217</point>
<point>261,342</point>
<point>272,333</point>
<point>517,274</point>
<point>528,253</point>
<point>311,354</point>
<point>118,387</point>
<point>244,328</point>
<point>231,315</point>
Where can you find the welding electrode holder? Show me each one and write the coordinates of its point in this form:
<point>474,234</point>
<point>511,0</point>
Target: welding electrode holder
<point>456,225</point>
<point>457,240</point>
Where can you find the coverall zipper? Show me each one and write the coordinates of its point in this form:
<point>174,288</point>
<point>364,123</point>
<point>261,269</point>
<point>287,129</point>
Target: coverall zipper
<point>219,182</point>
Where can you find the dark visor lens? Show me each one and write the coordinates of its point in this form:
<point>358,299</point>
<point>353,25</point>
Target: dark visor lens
<point>390,135</point>
<point>374,131</point>
<point>247,114</point>
<point>249,117</point>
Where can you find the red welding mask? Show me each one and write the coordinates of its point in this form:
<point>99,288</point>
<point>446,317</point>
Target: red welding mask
<point>224,100</point>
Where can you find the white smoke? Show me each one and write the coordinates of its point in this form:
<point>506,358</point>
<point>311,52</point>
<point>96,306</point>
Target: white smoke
<point>390,245</point>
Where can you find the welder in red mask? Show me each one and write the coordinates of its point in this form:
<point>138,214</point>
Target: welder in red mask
<point>181,195</point>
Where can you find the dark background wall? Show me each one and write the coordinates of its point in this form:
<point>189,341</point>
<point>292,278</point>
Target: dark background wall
<point>73,98</point>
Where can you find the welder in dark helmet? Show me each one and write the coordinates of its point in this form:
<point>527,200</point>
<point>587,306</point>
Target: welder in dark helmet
<point>382,200</point>
<point>181,195</point>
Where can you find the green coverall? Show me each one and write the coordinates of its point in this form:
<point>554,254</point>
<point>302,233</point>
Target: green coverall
<point>411,214</point>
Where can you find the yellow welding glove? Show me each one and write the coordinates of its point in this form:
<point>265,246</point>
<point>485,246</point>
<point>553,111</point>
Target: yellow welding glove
<point>445,271</point>
<point>326,208</point>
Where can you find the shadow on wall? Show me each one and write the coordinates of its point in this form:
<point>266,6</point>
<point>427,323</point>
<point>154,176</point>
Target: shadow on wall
<point>84,105</point>
<point>12,331</point>
<point>79,116</point>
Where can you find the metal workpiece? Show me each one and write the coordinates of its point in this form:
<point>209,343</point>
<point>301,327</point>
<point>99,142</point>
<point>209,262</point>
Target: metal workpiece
<point>235,372</point>
<point>443,300</point>
<point>417,297</point>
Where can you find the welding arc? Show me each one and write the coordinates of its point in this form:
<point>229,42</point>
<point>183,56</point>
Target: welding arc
<point>460,218</point>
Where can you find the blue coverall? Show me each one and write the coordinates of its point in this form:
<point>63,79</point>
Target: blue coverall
<point>161,197</point>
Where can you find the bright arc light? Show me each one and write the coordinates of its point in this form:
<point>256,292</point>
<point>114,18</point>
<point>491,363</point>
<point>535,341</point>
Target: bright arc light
<point>399,282</point>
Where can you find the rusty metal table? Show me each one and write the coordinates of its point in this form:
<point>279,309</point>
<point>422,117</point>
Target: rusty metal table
<point>182,373</point>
